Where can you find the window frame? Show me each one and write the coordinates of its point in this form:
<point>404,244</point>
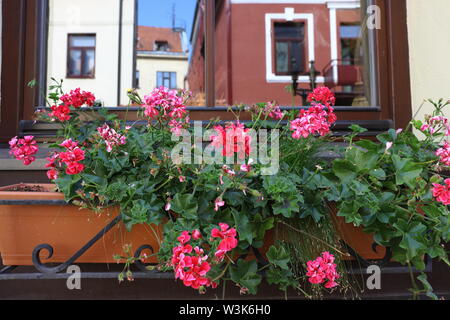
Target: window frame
<point>304,62</point>
<point>25,23</point>
<point>83,50</point>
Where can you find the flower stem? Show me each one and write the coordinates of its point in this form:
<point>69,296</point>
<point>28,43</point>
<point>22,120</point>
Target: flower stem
<point>315,238</point>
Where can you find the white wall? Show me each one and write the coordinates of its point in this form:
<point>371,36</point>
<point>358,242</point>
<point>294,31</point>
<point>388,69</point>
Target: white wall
<point>148,67</point>
<point>102,18</point>
<point>429,50</point>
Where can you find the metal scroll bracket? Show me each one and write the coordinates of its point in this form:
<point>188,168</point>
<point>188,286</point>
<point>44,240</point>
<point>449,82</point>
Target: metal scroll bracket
<point>45,269</point>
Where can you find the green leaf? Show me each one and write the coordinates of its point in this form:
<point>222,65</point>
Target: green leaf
<point>344,170</point>
<point>378,173</point>
<point>32,83</point>
<point>98,181</point>
<point>357,128</point>
<point>279,257</point>
<point>243,225</point>
<point>186,205</point>
<point>406,171</point>
<point>245,274</point>
<point>427,286</point>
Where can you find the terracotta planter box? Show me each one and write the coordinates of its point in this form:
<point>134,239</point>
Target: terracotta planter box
<point>67,228</point>
<point>356,238</point>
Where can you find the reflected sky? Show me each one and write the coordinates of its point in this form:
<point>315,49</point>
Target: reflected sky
<point>158,13</point>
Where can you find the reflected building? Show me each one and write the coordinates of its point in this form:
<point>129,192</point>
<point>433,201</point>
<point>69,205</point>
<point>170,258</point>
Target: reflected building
<point>260,44</point>
<point>162,58</point>
<point>91,46</point>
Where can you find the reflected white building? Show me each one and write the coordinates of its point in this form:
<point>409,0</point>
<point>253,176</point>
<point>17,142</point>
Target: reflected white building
<point>162,58</point>
<point>91,45</point>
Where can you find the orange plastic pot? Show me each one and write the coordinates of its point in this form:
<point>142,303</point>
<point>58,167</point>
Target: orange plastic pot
<point>355,237</point>
<point>67,228</point>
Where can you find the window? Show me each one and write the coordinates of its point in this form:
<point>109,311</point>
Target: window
<point>136,81</point>
<point>166,79</point>
<point>349,41</point>
<point>81,56</point>
<point>161,46</point>
<point>227,66</point>
<point>289,47</point>
<point>352,56</point>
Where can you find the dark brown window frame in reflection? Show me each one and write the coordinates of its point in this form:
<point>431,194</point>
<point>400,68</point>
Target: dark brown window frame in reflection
<point>300,64</point>
<point>83,50</point>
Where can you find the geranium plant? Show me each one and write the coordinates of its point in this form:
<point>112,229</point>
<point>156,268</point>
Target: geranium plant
<point>227,199</point>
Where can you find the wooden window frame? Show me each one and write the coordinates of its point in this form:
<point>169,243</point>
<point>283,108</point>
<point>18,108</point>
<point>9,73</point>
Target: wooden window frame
<point>25,21</point>
<point>83,50</point>
<point>289,41</point>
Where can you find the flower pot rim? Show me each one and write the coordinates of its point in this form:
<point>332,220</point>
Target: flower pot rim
<point>49,194</point>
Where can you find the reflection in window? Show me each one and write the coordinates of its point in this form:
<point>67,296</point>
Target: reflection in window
<point>289,47</point>
<point>81,56</point>
<point>167,79</point>
<point>254,52</point>
<point>161,46</point>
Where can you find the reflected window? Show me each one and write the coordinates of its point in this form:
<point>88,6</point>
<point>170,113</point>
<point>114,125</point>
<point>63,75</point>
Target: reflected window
<point>167,79</point>
<point>289,47</point>
<point>161,46</point>
<point>136,81</point>
<point>350,34</point>
<point>81,56</point>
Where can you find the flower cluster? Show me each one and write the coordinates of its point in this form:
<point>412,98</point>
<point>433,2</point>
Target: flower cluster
<point>273,111</point>
<point>231,139</point>
<point>167,105</point>
<point>444,154</point>
<point>315,120</point>
<point>77,98</point>
<point>318,118</point>
<point>111,137</point>
<point>23,149</point>
<point>61,112</point>
<point>436,124</point>
<point>323,96</point>
<point>52,173</point>
<point>322,269</point>
<point>72,157</point>
<point>228,240</point>
<point>190,264</point>
<point>442,192</point>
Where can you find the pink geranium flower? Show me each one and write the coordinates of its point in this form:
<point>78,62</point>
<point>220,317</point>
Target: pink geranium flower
<point>442,192</point>
<point>444,154</point>
<point>23,149</point>
<point>231,139</point>
<point>218,203</point>
<point>322,269</point>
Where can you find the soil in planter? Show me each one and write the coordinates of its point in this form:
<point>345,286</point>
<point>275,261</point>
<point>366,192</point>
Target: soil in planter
<point>26,188</point>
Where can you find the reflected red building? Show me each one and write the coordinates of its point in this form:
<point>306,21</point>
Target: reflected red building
<point>258,44</point>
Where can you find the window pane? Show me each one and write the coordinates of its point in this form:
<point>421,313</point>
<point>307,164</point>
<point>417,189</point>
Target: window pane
<point>74,63</point>
<point>255,51</point>
<point>349,31</point>
<point>282,56</point>
<point>173,80</point>
<point>159,79</point>
<point>82,41</point>
<point>89,63</point>
<point>155,37</point>
<point>289,30</point>
<point>163,47</point>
